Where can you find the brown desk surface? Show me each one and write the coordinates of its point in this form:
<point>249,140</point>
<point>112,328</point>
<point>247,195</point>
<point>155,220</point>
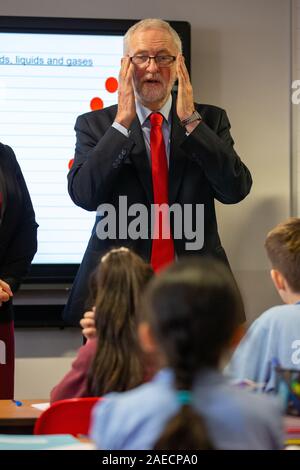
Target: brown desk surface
<point>25,415</point>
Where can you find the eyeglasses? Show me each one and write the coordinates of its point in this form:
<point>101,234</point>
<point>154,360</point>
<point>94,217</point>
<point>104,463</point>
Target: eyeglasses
<point>160,60</point>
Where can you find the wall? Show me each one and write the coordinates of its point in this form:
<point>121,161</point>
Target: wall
<point>240,61</point>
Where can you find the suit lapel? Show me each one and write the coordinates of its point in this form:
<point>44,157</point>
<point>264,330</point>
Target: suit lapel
<point>177,162</point>
<point>178,158</point>
<point>139,158</point>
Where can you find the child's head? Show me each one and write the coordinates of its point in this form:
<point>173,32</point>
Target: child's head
<point>118,282</point>
<point>192,310</point>
<point>283,248</point>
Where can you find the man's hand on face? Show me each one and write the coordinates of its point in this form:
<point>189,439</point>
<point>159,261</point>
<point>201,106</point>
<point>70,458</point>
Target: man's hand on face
<point>185,98</point>
<point>126,101</point>
<point>5,292</point>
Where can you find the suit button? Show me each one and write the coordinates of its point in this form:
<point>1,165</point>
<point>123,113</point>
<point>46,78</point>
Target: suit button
<point>124,151</point>
<point>120,157</point>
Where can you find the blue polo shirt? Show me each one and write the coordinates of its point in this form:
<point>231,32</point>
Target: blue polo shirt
<point>273,335</point>
<point>235,419</point>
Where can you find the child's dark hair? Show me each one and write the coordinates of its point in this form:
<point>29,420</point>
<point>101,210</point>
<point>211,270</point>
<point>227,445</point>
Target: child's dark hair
<point>193,309</point>
<point>118,283</point>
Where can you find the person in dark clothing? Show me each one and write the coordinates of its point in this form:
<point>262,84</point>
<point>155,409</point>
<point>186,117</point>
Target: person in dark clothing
<point>154,148</point>
<point>18,245</point>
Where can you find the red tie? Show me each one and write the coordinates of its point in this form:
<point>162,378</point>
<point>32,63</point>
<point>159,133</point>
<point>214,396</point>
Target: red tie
<point>162,244</point>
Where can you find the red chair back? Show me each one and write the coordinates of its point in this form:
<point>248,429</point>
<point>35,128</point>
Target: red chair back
<point>71,416</point>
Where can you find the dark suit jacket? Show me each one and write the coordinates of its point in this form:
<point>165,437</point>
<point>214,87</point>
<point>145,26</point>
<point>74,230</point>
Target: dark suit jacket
<point>203,167</point>
<point>18,229</point>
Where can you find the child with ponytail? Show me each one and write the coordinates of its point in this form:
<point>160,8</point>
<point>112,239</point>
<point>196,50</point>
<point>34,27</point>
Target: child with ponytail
<point>190,315</point>
<point>112,360</point>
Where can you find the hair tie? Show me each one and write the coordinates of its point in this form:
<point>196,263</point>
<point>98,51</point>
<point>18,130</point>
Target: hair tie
<point>184,397</point>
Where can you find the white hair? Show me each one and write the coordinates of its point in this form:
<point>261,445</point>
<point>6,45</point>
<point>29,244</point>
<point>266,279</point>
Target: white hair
<point>151,23</point>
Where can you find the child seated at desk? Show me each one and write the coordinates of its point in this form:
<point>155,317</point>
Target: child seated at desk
<point>190,315</point>
<point>112,361</point>
<point>275,335</point>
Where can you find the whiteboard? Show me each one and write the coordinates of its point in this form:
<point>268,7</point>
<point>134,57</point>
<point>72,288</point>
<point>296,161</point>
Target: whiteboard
<point>46,81</point>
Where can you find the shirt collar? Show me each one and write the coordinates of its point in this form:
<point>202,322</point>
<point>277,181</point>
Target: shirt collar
<point>205,377</point>
<point>143,112</point>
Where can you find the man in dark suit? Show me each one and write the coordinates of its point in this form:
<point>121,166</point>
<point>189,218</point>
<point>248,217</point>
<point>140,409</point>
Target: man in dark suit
<point>18,244</point>
<point>113,158</point>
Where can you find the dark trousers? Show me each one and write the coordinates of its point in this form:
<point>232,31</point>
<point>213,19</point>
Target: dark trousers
<point>7,360</point>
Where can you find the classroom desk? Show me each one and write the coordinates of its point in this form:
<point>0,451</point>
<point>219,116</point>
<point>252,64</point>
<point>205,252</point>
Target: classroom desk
<point>19,419</point>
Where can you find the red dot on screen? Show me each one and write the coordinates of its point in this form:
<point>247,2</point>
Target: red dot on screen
<point>96,103</point>
<point>70,163</point>
<point>111,84</point>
